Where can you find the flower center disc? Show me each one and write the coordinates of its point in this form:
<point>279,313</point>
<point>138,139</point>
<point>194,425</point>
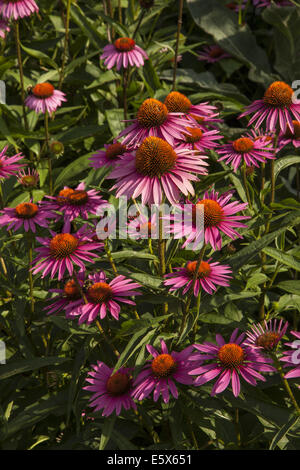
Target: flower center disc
<point>124,44</point>
<point>154,157</point>
<point>163,365</point>
<point>71,290</point>
<point>296,133</point>
<point>43,90</point>
<point>278,95</point>
<point>267,340</point>
<point>118,384</point>
<point>177,103</point>
<point>78,197</point>
<point>243,145</point>
<point>231,355</point>
<point>213,212</point>
<point>152,113</point>
<point>99,292</point>
<point>63,195</point>
<point>63,245</point>
<point>145,229</point>
<point>215,52</point>
<point>115,150</point>
<point>28,180</point>
<point>203,271</point>
<point>26,210</point>
<point>195,135</point>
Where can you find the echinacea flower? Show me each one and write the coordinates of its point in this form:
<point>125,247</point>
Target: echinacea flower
<point>111,391</point>
<point>17,8</point>
<point>157,169</point>
<point>123,53</point>
<point>143,227</point>
<point>109,156</point>
<point>153,119</point>
<point>102,296</point>
<point>212,54</point>
<point>209,276</point>
<point>246,149</point>
<point>199,139</point>
<point>290,137</point>
<point>75,202</point>
<point>69,298</point>
<point>218,215</point>
<point>266,336</point>
<point>29,180</point>
<point>8,165</point>
<point>229,361</point>
<point>26,214</point>
<point>4,28</point>
<point>161,373</point>
<point>277,107</point>
<point>44,98</point>
<point>179,103</point>
<point>292,358</point>
<point>64,250</point>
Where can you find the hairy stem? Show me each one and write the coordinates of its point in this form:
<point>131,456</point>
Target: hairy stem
<point>179,23</point>
<point>64,58</point>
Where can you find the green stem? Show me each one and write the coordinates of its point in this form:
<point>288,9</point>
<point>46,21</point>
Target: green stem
<point>191,291</point>
<point>244,168</point>
<point>179,23</point>
<point>20,64</point>
<point>108,254</point>
<point>47,138</point>
<point>285,383</point>
<point>30,277</point>
<point>125,87</point>
<point>142,14</point>
<point>62,71</point>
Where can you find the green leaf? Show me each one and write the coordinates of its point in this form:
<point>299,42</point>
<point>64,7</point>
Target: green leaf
<point>293,287</point>
<point>72,170</point>
<point>107,430</point>
<point>39,55</point>
<point>284,162</point>
<point>221,23</point>
<point>126,254</point>
<point>283,431</point>
<point>282,257</point>
<point>25,365</point>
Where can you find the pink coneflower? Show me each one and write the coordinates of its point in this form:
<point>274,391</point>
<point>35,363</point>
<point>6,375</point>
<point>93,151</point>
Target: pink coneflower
<point>246,149</point>
<point>75,202</point>
<point>157,169</point>
<point>160,374</point>
<point>277,107</point>
<point>218,217</point>
<point>27,215</point>
<point>205,122</point>
<point>44,98</point>
<point>28,180</point>
<point>212,54</point>
<point>292,358</point>
<point>198,139</point>
<point>108,157</point>
<point>267,336</point>
<point>8,165</point>
<point>17,8</point>
<point>143,227</point>
<point>209,276</point>
<point>4,28</point>
<point>64,250</point>
<point>69,298</point>
<point>179,103</point>
<point>154,120</point>
<point>290,137</point>
<point>228,361</point>
<point>111,391</point>
<point>102,296</point>
<point>123,52</point>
